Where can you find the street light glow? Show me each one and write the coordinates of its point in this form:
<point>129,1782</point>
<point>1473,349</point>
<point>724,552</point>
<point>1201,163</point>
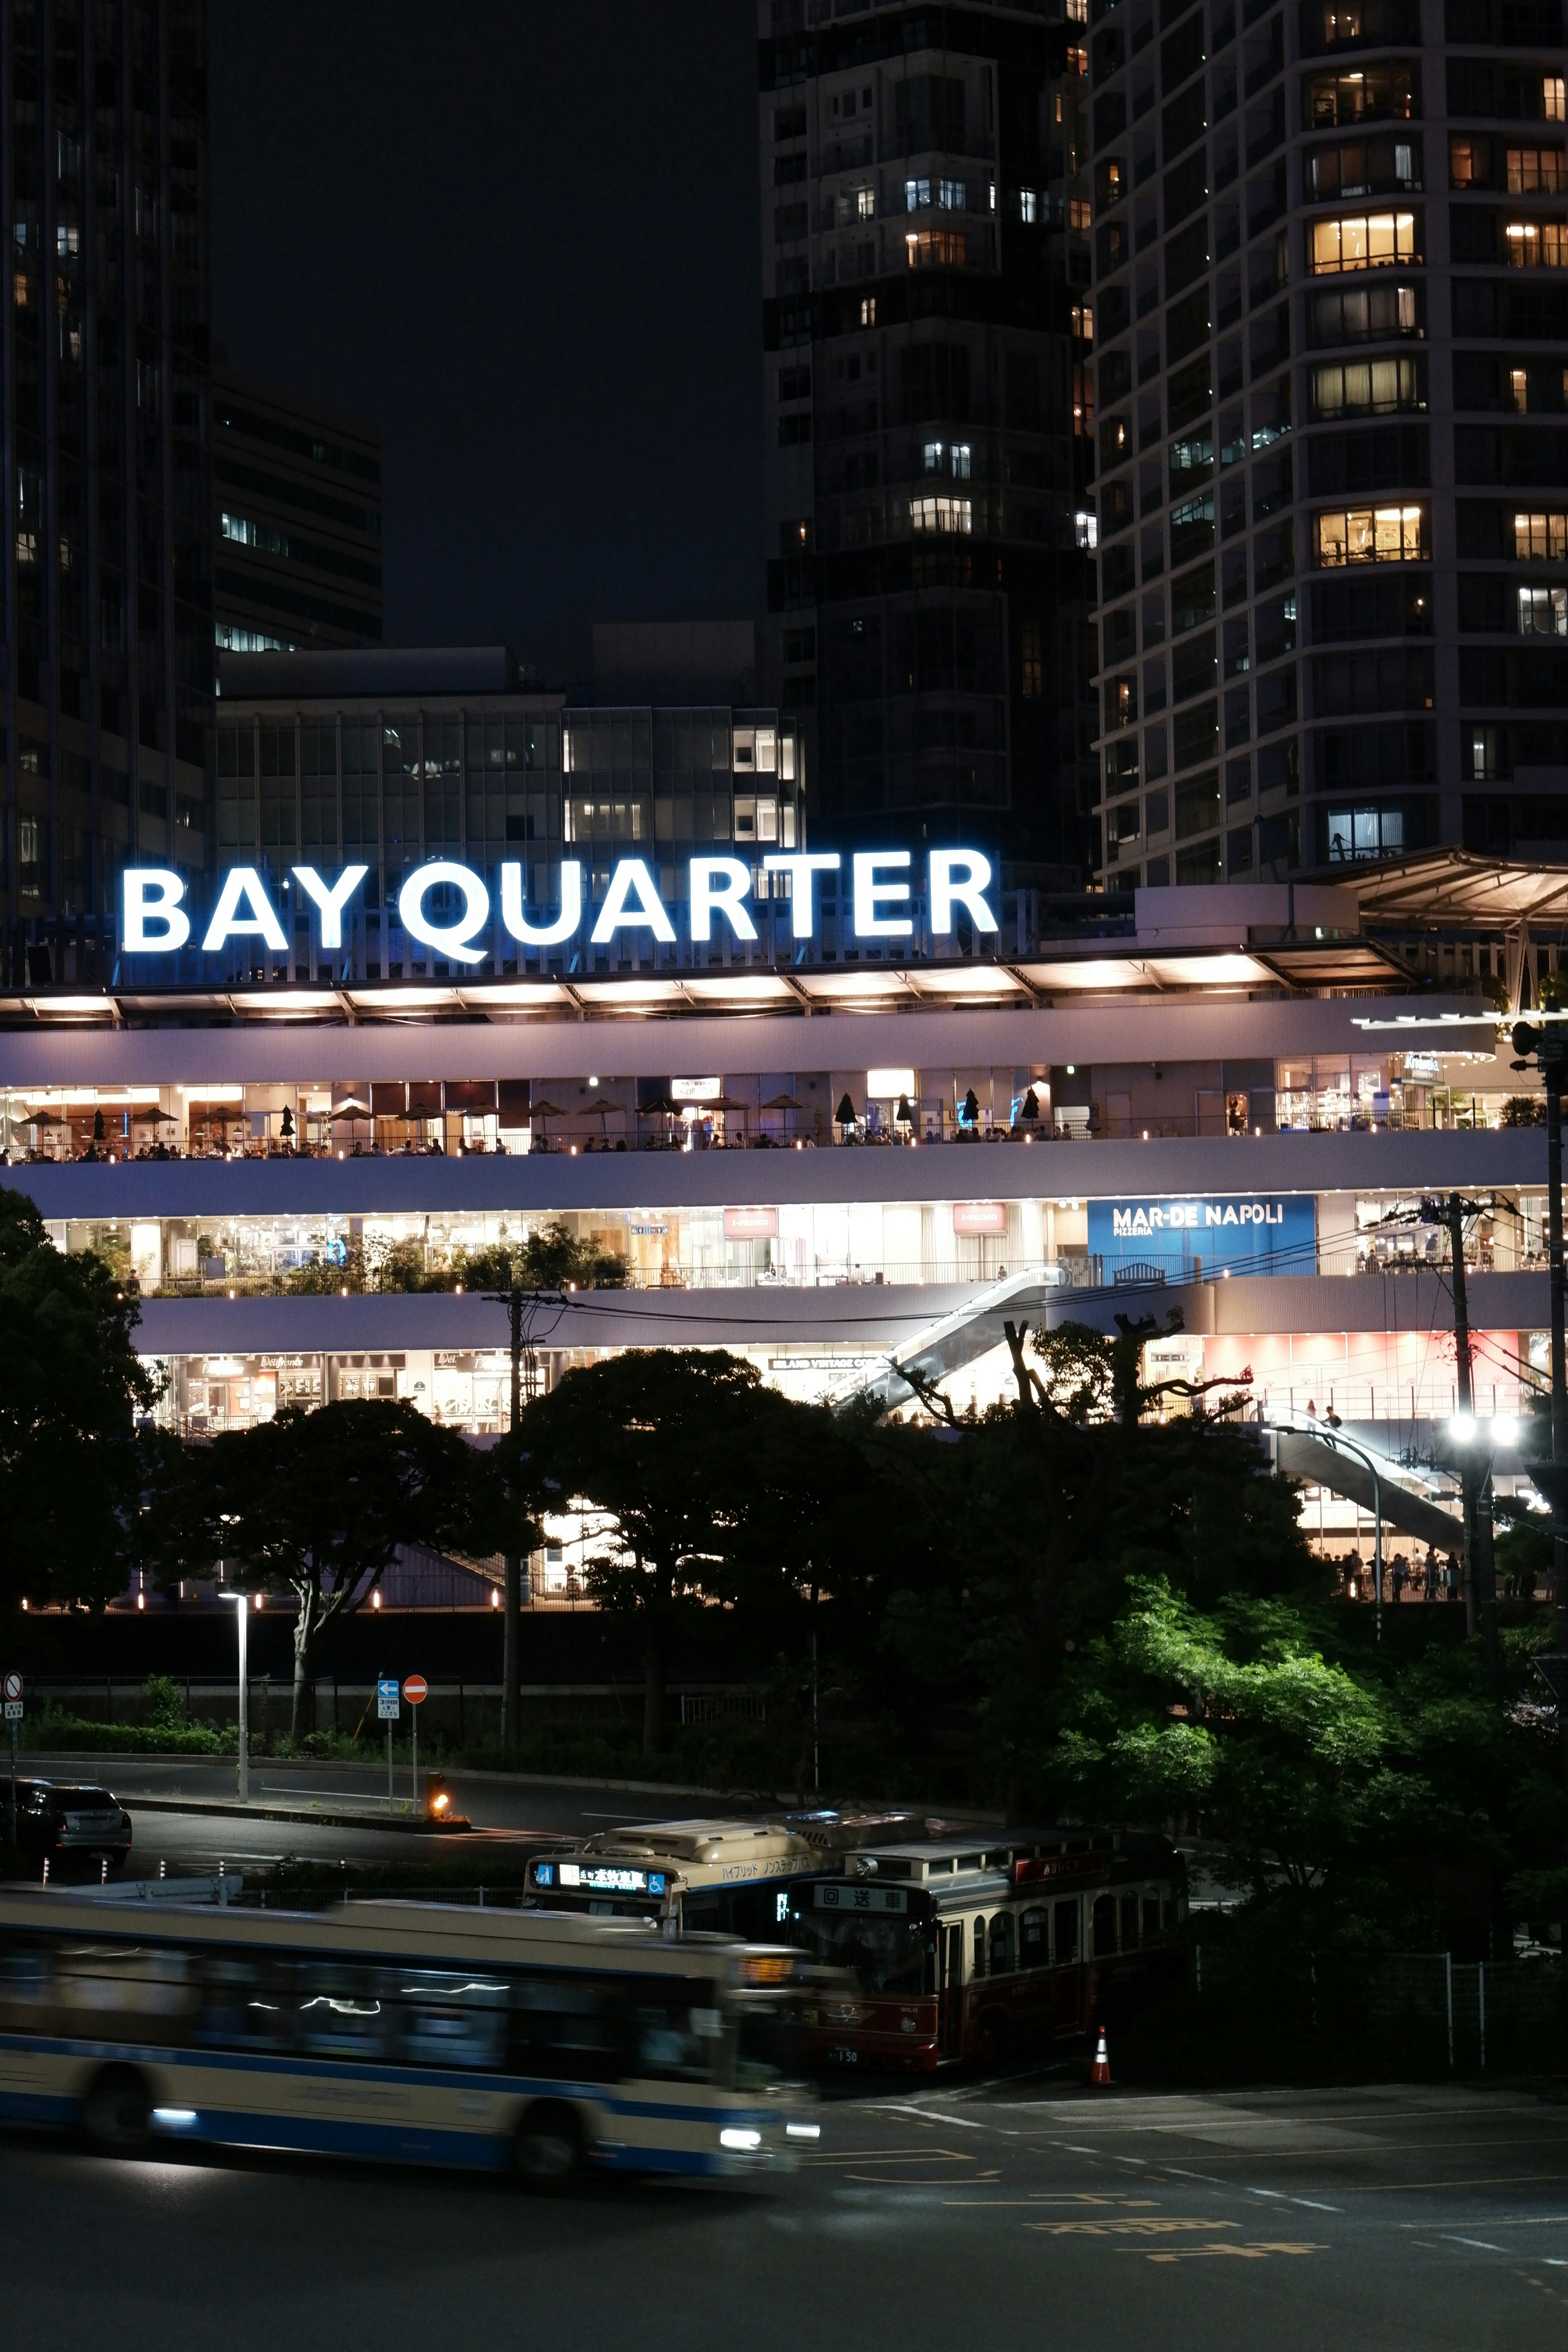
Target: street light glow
<point>1505,1429</point>
<point>1462,1428</point>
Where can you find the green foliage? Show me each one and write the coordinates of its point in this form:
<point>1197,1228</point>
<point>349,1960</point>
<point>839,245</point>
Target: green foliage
<point>723,1490</point>
<point>318,1502</point>
<point>70,1386</point>
<point>552,1258</point>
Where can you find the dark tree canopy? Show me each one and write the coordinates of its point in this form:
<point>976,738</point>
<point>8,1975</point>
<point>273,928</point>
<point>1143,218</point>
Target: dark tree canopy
<point>71,1386</point>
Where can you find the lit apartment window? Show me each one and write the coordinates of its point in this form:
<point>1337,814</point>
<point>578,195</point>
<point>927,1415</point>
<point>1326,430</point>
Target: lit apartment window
<point>1536,171</point>
<point>953,195</point>
<point>1365,241</point>
<point>868,310</point>
<point>26,547</point>
<point>1519,389</point>
<point>1367,387</point>
<point>941,514</point>
<point>1028,204</point>
<point>1083,321</point>
<point>934,452</point>
<point>935,248</point>
<point>1364,833</point>
<point>1078,212</point>
<point>241,528</point>
<point>865,203</point>
<point>1373,535</point>
<point>917,195</point>
<point>1543,612</point>
<point>1537,244</point>
<point>1540,536</point>
<point>1085,529</point>
<point>962,461</point>
<point>1553,98</point>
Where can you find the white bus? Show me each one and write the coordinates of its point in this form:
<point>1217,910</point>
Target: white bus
<point>399,2030</point>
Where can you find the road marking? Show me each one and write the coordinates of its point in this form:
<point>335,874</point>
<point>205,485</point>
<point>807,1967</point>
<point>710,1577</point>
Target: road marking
<point>1482,2245</point>
<point>929,2115</point>
<point>1182,2174</point>
<point>1041,2197</point>
<point>1315,2206</point>
<point>1256,2249</point>
<point>1153,2225</point>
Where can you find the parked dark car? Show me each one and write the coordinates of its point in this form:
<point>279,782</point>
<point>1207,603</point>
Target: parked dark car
<point>70,1821</point>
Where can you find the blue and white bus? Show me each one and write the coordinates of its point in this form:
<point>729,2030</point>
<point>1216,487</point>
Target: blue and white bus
<point>401,2030</point>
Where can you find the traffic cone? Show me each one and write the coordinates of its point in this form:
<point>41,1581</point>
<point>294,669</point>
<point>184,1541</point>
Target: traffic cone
<point>1101,2073</point>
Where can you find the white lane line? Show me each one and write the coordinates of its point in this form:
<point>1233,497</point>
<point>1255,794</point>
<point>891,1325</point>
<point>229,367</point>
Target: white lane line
<point>1182,2173</point>
<point>1483,2245</point>
<point>1277,2194</point>
<point>1313,2206</point>
<point>891,2107</point>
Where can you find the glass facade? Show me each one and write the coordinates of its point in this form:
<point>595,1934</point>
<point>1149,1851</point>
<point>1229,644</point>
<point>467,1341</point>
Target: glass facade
<point>106,610</point>
<point>1332,322</point>
<point>483,781</point>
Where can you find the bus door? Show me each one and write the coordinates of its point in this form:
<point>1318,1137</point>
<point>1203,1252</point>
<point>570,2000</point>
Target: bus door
<point>951,1947</point>
<point>1068,1973</point>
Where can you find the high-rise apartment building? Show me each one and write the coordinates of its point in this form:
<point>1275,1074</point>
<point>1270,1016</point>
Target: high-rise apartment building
<point>926,335</point>
<point>297,510</point>
<point>106,580</point>
<point>1332,312</point>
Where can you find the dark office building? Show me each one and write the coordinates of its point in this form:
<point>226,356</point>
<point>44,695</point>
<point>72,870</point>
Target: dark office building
<point>1331,304</point>
<point>927,333</point>
<point>297,513</point>
<point>390,756</point>
<point>106,607</point>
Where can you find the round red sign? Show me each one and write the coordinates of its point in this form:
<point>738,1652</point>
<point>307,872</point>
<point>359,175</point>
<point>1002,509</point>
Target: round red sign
<point>415,1689</point>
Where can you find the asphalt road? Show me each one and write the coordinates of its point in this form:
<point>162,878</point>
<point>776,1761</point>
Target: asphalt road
<point>1385,2220</point>
<point>509,1816</point>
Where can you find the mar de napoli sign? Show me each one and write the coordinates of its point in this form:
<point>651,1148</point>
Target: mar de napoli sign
<point>157,919</point>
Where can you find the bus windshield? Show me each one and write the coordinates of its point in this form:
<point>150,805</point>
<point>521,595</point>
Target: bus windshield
<point>888,1955</point>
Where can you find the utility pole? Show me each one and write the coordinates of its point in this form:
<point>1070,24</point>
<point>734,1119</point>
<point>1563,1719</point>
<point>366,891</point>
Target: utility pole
<point>522,1310</point>
<point>1547,1046</point>
<point>1475,1472</point>
<point>511,1595</point>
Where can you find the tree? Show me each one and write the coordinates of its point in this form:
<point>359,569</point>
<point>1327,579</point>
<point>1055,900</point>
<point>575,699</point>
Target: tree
<point>706,1473</point>
<point>319,1503</point>
<point>71,1386</point>
<point>552,1258</point>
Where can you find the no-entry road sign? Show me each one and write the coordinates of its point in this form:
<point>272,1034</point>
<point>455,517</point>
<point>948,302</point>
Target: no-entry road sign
<point>12,1687</point>
<point>415,1690</point>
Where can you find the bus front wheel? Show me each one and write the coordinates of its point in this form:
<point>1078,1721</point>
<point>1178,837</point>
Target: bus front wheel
<point>117,2111</point>
<point>548,2155</point>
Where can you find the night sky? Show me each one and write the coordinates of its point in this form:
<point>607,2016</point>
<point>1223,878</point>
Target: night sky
<point>520,236</point>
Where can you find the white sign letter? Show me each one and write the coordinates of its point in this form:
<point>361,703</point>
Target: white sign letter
<point>869,893</point>
<point>630,901</point>
<point>153,894</point>
<point>718,886</point>
<point>960,875</point>
<point>564,927</point>
<point>447,938</point>
<point>803,890</point>
<point>333,901</point>
<point>242,884</point>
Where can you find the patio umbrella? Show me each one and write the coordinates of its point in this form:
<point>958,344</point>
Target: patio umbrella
<point>545,1110</point>
<point>783,1102</point>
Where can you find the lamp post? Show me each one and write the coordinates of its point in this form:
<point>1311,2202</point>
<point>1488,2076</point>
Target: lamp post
<point>242,1604</point>
<point>1477,1443</point>
<point>1348,1446</point>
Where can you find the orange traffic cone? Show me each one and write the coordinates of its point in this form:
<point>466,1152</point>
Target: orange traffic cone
<point>1101,2073</point>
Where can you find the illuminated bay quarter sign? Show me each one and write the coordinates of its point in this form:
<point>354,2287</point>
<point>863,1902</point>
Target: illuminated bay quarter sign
<point>447,907</point>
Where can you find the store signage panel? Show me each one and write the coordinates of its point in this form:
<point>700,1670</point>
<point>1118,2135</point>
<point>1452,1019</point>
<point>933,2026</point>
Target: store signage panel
<point>158,916</point>
<point>1249,1234</point>
<point>750,1224</point>
<point>979,1217</point>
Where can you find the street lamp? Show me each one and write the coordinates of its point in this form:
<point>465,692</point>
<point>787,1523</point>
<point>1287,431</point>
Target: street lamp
<point>242,1604</point>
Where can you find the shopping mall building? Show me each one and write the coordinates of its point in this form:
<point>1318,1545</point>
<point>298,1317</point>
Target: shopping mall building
<point>871,1119</point>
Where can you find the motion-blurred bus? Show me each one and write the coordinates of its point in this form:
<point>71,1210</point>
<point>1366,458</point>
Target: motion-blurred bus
<point>399,2030</point>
